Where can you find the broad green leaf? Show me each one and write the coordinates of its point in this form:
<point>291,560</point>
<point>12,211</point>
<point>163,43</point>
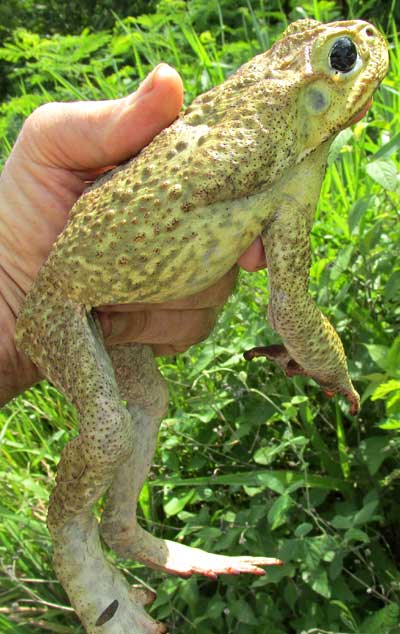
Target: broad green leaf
<point>366,514</point>
<point>342,522</point>
<point>346,615</point>
<point>384,173</point>
<point>176,504</point>
<point>355,534</point>
<point>318,580</point>
<point>373,452</point>
<point>291,594</point>
<point>279,511</point>
<point>382,621</point>
<point>390,424</point>
<point>303,529</point>
<point>242,611</point>
<point>385,388</point>
<point>190,592</point>
<point>379,355</point>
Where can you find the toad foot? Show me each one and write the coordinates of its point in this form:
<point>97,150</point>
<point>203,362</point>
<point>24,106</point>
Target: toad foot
<point>102,598</point>
<point>182,560</point>
<point>281,357</point>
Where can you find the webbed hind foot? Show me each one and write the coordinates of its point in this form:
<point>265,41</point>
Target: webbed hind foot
<point>178,559</point>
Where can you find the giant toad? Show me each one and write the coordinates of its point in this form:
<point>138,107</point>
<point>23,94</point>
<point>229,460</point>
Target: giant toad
<point>246,158</point>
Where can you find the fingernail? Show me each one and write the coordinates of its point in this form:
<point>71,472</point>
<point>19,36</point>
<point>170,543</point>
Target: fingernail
<point>147,83</point>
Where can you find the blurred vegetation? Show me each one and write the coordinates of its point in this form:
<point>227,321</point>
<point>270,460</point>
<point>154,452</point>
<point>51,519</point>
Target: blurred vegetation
<point>248,462</point>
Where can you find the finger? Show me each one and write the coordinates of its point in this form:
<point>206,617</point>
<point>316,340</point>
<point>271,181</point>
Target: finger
<point>93,134</point>
<point>253,258</point>
<point>214,296</point>
<point>180,327</point>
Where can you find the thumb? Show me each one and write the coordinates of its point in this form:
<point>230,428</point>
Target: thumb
<point>89,135</point>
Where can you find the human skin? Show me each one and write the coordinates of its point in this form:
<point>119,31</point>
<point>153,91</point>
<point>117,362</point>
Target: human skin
<point>60,149</point>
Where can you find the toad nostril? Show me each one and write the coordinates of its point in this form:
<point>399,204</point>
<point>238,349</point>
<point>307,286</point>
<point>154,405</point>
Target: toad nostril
<point>370,31</point>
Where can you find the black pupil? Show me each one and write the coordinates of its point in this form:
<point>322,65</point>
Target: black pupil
<point>343,55</point>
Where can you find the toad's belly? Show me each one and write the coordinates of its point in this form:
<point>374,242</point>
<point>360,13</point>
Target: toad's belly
<point>140,265</point>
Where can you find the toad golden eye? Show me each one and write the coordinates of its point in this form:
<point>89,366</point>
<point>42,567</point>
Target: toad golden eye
<point>343,55</point>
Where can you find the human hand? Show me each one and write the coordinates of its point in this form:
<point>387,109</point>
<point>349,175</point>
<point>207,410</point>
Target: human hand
<point>60,149</point>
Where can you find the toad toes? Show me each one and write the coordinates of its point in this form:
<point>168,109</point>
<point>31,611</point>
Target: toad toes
<point>247,157</point>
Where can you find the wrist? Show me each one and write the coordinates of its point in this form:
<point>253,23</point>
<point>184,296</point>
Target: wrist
<point>18,235</point>
<point>17,372</point>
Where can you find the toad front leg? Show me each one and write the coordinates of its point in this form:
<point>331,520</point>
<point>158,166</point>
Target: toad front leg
<point>311,344</point>
<point>69,349</point>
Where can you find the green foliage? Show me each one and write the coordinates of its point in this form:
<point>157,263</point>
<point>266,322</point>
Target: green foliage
<point>248,462</point>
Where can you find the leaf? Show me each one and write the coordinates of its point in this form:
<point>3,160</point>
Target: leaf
<point>176,504</point>
<point>384,173</point>
<point>356,535</point>
<point>382,621</point>
<point>373,453</point>
<point>266,455</point>
<point>389,148</point>
<point>378,354</point>
<point>392,288</point>
<point>303,529</point>
<point>215,607</point>
<point>279,511</point>
<point>291,594</point>
<point>385,388</point>
<point>366,514</point>
<point>342,522</point>
<point>336,567</point>
<point>318,580</point>
<point>357,212</point>
<point>189,592</point>
<point>342,139</point>
<point>270,479</point>
<point>242,611</point>
<point>390,424</point>
<point>342,262</point>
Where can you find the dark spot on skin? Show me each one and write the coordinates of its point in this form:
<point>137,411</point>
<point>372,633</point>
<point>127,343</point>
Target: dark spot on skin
<point>181,145</point>
<point>186,207</point>
<point>108,613</point>
<point>172,224</point>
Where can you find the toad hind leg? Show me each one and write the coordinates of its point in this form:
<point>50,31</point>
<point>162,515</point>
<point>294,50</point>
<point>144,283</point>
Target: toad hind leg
<point>71,353</point>
<point>142,386</point>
